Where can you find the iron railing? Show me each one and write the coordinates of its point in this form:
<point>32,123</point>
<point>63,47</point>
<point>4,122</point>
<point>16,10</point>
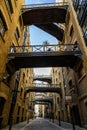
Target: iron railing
<point>43,85</point>
<point>44,48</point>
<point>42,76</point>
<point>44,5</point>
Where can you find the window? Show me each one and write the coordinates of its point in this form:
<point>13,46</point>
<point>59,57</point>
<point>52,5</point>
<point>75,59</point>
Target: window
<point>2,102</point>
<point>86,106</point>
<point>18,110</point>
<point>76,46</point>
<point>86,33</point>
<point>56,80</point>
<point>70,83</point>
<point>9,6</point>
<point>58,100</point>
<point>21,92</point>
<point>12,50</point>
<point>17,34</point>
<point>3,26</point>
<point>71,31</point>
<point>20,21</point>
<point>81,72</point>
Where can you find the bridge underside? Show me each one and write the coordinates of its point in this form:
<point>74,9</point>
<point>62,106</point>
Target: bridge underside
<point>43,59</point>
<point>44,79</point>
<point>49,100</point>
<point>43,89</point>
<point>41,103</point>
<point>45,17</point>
<point>52,29</point>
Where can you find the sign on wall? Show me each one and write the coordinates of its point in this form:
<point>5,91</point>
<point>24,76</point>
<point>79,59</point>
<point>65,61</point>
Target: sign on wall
<point>68,99</point>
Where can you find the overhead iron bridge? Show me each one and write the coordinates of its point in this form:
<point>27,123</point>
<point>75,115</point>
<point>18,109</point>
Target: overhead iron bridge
<point>45,99</point>
<point>44,16</point>
<point>40,95</point>
<point>54,88</point>
<point>43,89</point>
<point>44,5</point>
<point>61,55</point>
<point>43,85</point>
<point>41,103</point>
<point>44,78</point>
<point>44,13</point>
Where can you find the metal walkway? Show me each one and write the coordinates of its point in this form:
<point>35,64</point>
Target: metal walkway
<point>44,78</point>
<point>45,99</point>
<point>54,88</point>
<point>45,15</point>
<point>43,89</point>
<point>63,55</point>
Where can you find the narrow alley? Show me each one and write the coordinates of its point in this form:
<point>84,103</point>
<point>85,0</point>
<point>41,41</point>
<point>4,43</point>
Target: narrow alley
<point>43,75</point>
<point>43,124</point>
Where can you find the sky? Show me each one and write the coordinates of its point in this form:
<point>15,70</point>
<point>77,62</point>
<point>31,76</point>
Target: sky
<point>39,1</point>
<point>37,36</point>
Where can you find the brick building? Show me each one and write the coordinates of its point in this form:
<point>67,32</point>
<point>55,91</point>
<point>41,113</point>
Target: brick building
<point>75,80</point>
<point>13,105</point>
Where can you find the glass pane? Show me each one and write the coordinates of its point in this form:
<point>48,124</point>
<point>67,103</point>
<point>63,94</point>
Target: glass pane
<point>2,28</point>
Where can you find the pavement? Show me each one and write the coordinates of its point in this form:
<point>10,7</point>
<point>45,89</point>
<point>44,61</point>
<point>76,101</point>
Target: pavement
<point>43,124</point>
<point>69,126</point>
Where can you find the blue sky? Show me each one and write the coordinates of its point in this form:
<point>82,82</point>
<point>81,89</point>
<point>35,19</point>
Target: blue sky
<point>39,1</point>
<point>37,36</point>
